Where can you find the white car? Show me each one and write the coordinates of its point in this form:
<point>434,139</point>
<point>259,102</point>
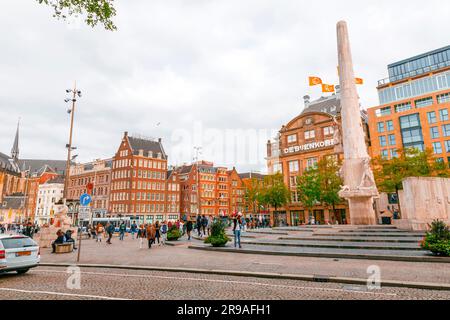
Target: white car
<point>18,253</point>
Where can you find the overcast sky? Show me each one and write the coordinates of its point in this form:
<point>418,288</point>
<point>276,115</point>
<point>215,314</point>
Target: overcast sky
<point>204,68</point>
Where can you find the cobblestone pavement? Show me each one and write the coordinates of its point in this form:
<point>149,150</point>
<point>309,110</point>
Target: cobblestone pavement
<point>129,253</point>
<point>107,284</point>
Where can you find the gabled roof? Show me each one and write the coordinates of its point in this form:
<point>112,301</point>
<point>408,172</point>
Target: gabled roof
<point>147,145</point>
<point>330,105</point>
<point>251,175</point>
<point>37,165</point>
<point>13,202</point>
<point>56,180</point>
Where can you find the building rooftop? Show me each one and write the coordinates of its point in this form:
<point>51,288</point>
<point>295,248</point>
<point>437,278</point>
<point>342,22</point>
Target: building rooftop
<point>147,145</point>
<point>330,105</point>
<point>38,166</point>
<point>8,164</point>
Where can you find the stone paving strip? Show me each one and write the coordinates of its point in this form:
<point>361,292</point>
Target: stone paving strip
<point>267,275</point>
<point>374,234</point>
<point>312,243</point>
<point>354,239</point>
<point>390,255</point>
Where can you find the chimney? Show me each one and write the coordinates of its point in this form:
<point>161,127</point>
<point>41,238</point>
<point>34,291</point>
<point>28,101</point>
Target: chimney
<point>126,134</point>
<point>307,101</point>
<point>159,140</point>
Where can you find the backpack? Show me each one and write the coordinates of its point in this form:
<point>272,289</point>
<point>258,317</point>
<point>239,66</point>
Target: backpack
<point>164,228</point>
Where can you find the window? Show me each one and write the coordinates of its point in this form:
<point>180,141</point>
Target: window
<point>434,132</point>
<point>389,125</point>
<point>437,148</point>
<point>311,162</point>
<point>443,114</point>
<point>412,136</point>
<point>380,126</point>
<point>403,107</point>
<point>394,153</point>
<point>443,98</point>
<point>310,134</point>
<point>383,142</point>
<point>292,138</point>
<point>422,103</point>
<point>410,121</point>
<point>277,168</point>
<point>391,139</point>
<point>383,112</point>
<point>384,154</point>
<point>328,131</point>
<point>446,130</point>
<point>447,146</point>
<point>431,117</point>
<point>293,166</point>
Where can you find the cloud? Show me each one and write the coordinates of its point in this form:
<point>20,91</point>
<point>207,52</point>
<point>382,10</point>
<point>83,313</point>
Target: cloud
<point>232,65</point>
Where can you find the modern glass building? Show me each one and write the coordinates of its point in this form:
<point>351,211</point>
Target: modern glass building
<point>414,107</point>
<point>411,71</point>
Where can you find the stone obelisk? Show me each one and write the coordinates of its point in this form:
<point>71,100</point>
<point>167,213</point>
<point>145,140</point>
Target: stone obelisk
<point>360,188</point>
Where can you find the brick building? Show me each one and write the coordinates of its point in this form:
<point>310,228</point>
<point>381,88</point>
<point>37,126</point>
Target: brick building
<point>302,143</point>
<point>140,179</point>
<point>220,191</point>
<point>97,173</point>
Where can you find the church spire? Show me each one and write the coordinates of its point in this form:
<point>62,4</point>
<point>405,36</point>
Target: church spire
<point>15,148</point>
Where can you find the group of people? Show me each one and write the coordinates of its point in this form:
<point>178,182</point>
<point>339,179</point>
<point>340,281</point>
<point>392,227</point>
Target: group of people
<point>28,229</point>
<point>63,237</point>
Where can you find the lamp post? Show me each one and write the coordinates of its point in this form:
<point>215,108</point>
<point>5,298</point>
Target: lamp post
<point>69,147</point>
<point>197,151</point>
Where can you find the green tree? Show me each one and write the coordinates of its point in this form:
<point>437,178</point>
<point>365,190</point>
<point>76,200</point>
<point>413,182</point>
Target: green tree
<point>274,192</point>
<point>330,182</point>
<point>252,194</point>
<point>308,188</point>
<point>95,11</point>
<point>411,162</point>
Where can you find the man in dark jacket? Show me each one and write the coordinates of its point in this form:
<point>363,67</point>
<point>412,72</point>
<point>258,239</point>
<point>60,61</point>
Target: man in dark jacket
<point>198,225</point>
<point>110,230</point>
<point>59,240</point>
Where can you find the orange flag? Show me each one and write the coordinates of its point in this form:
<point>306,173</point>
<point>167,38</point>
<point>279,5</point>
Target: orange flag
<point>359,81</point>
<point>327,88</point>
<point>313,81</point>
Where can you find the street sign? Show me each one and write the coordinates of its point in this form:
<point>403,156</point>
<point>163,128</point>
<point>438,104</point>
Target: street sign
<point>85,199</point>
<point>84,213</point>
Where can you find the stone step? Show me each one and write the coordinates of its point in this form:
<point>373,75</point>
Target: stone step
<point>354,239</point>
<point>377,230</point>
<point>388,234</point>
<point>382,226</point>
<point>267,232</point>
<point>389,255</point>
<point>336,245</point>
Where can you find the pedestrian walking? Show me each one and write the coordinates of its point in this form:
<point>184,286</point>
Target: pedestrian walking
<point>141,235</point>
<point>204,224</point>
<point>198,225</point>
<point>157,232</point>
<point>189,229</point>
<point>100,230</point>
<point>210,223</point>
<point>150,235</point>
<point>237,226</point>
<point>122,230</point>
<point>133,229</point>
<point>164,230</point>
<point>109,230</point>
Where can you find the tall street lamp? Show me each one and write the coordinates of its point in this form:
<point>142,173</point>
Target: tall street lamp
<point>69,147</point>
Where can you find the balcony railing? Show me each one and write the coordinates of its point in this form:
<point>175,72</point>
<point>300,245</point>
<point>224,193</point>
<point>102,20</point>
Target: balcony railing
<point>414,73</point>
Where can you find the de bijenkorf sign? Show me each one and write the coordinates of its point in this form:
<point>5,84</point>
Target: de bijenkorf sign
<point>85,199</point>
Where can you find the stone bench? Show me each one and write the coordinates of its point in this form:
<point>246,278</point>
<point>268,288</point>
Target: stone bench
<point>64,247</point>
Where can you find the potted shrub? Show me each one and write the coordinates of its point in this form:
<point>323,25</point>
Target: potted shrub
<point>174,233</point>
<point>218,237</point>
<point>437,240</point>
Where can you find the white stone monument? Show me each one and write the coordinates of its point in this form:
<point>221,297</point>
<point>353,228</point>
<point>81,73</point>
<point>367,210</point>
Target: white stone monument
<point>360,188</point>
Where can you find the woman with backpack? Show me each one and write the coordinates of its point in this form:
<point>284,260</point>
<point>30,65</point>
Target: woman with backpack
<point>99,228</point>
